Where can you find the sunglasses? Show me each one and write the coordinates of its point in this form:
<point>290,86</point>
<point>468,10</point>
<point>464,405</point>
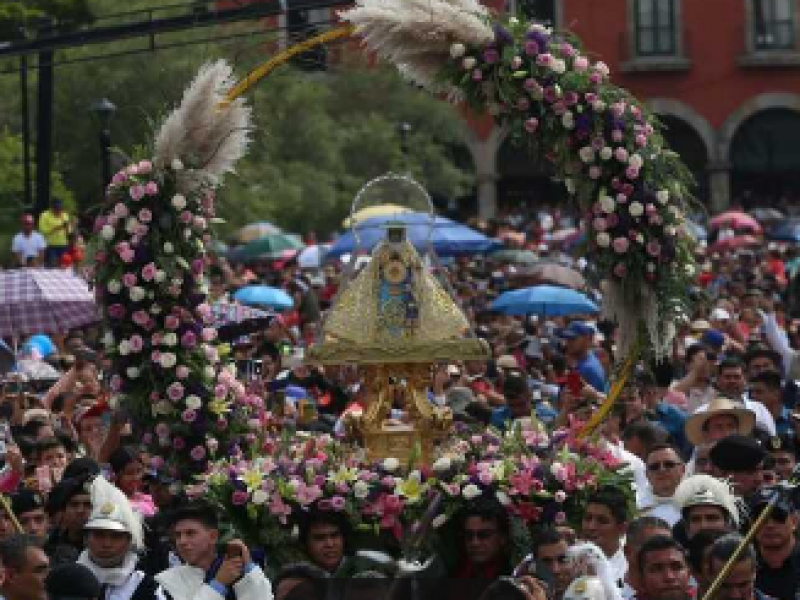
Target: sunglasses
<point>662,466</point>
<point>481,534</point>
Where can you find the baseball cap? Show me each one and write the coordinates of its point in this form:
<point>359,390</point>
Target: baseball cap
<point>720,314</point>
<point>576,329</point>
<point>713,338</point>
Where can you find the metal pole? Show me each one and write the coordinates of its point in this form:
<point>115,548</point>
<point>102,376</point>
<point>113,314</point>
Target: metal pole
<point>26,132</point>
<point>105,149</point>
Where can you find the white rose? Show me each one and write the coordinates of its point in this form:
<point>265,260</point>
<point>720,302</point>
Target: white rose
<point>107,232</point>
<point>260,497</point>
<point>132,372</point>
<point>108,339</point>
<point>439,520</point>
<point>177,165</point>
<point>168,360</point>
<point>513,21</point>
<point>689,269</point>
<point>503,498</point>
<point>468,63</point>
<point>193,402</point>
<point>442,464</point>
<point>471,491</point>
<point>360,489</point>
<point>606,153</point>
<point>662,196</point>
<point>124,347</point>
<point>457,50</point>
<point>169,339</point>
<point>209,371</point>
<point>607,204</point>
<point>603,239</point>
<point>570,185</point>
<point>136,293</point>
<point>636,209</point>
<point>636,161</point>
<point>131,225</point>
<point>567,120</point>
<point>178,202</point>
<point>160,276</point>
<point>391,464</point>
<point>114,286</point>
<point>558,66</point>
<point>168,248</point>
<point>155,309</point>
<point>587,154</point>
<point>187,233</point>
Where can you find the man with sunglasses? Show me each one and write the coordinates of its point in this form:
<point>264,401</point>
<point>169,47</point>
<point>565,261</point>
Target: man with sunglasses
<point>665,470</point>
<point>776,542</point>
<point>484,549</point>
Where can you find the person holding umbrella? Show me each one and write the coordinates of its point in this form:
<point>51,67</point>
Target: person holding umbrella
<point>578,337</point>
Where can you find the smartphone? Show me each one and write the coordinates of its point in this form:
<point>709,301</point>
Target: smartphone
<point>574,383</point>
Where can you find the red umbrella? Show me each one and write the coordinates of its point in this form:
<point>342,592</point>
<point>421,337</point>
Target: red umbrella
<point>736,220</point>
<point>732,243</point>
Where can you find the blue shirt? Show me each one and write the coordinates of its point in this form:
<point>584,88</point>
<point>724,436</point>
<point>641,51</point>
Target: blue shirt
<point>592,372</point>
<point>672,419</point>
<point>783,422</point>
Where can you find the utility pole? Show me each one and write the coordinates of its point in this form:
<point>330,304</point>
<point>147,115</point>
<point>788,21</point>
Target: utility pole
<point>26,131</point>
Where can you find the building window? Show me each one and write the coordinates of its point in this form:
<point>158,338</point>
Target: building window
<point>656,29</point>
<point>773,23</point>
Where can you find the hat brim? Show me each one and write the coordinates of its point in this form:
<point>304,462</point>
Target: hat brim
<point>694,424</point>
<point>106,525</point>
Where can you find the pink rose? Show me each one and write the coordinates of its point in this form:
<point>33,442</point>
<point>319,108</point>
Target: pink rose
<point>129,280</point>
<point>137,192</point>
<point>182,372</point>
<point>620,245</point>
<point>151,189</point>
<point>337,503</point>
<point>145,216</point>
<point>531,125</point>
<point>595,172</point>
<point>116,311</point>
<point>185,217</point>
<point>617,135</point>
<point>600,224</point>
<point>149,272</point>
<point>162,430</point>
<point>137,343</point>
<point>654,249</point>
<point>580,64</point>
<point>641,140</point>
<point>172,322</point>
<point>198,453</point>
<point>140,318</point>
<point>239,498</point>
<point>632,173</point>
<point>620,270</point>
<point>621,154</point>
<point>208,334</point>
<point>477,75</point>
<point>175,391</point>
<point>119,177</point>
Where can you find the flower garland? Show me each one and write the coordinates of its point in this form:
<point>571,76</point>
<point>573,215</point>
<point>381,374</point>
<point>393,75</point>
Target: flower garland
<point>149,266</point>
<point>606,147</point>
<point>537,478</point>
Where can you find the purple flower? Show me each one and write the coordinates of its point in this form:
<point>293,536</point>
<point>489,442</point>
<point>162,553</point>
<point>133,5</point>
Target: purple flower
<point>540,39</point>
<point>198,264</point>
<point>140,318</point>
<point>239,498</point>
<point>116,311</point>
<point>198,453</point>
<point>188,339</point>
<point>501,35</point>
<point>182,372</point>
<point>172,322</point>
<point>491,56</point>
<point>600,224</point>
<point>477,75</point>
<point>145,216</point>
<point>632,173</point>
<point>531,48</point>
<point>119,177</point>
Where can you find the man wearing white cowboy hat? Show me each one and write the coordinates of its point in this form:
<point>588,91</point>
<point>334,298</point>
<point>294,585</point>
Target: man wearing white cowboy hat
<point>114,537</point>
<point>721,417</point>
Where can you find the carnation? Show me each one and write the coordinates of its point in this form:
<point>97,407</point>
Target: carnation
<point>606,153</point>
<point>621,245</point>
<point>442,464</point>
<point>193,402</point>
<point>587,154</point>
<point>468,63</point>
<point>607,204</point>
<point>260,497</point>
<point>471,491</point>
<point>360,489</point>
<point>132,372</point>
<point>136,293</point>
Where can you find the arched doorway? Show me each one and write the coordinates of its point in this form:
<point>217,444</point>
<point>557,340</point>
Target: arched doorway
<point>526,179</point>
<point>765,159</point>
<point>684,139</point>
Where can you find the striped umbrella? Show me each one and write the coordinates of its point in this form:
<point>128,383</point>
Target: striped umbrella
<point>44,301</point>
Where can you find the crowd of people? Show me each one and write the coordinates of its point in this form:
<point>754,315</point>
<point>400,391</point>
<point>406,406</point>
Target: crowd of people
<point>709,437</point>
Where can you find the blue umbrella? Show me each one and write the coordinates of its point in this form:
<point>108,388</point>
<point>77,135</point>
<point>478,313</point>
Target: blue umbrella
<point>264,296</point>
<point>447,237</point>
<point>545,301</point>
<point>785,231</point>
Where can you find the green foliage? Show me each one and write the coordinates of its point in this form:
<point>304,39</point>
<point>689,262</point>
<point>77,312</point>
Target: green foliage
<point>17,15</point>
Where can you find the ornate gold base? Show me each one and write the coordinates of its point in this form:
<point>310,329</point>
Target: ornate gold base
<point>401,442</point>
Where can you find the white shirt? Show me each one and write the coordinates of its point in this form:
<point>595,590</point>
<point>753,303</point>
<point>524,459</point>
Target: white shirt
<point>29,246</point>
<point>656,506</point>
<point>619,566</point>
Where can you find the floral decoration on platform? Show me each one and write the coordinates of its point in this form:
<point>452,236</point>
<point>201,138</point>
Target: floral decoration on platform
<point>149,264</point>
<point>539,479</point>
<point>605,145</point>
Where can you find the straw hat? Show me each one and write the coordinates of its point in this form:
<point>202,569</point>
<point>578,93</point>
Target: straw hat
<point>696,423</point>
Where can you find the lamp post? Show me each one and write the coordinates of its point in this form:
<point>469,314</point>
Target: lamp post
<point>103,111</point>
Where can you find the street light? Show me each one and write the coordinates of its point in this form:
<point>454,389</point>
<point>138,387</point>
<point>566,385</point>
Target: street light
<point>103,111</point>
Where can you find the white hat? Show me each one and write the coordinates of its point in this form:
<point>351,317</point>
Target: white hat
<point>705,490</point>
<point>595,576</point>
<point>111,511</point>
<point>720,314</point>
<point>585,588</point>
